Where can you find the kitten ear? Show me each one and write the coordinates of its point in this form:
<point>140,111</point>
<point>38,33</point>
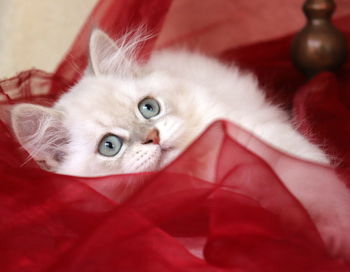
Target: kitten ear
<point>101,49</point>
<point>109,57</point>
<point>41,132</point>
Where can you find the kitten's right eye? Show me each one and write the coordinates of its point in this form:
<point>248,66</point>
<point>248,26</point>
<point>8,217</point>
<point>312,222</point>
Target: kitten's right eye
<point>149,107</point>
<point>110,145</point>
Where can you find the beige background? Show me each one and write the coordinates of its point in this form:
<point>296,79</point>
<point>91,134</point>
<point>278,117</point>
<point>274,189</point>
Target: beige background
<point>37,33</point>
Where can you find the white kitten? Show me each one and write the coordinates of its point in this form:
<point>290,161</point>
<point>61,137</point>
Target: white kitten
<point>125,116</point>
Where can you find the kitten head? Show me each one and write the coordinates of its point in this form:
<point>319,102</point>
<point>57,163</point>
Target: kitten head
<point>122,117</point>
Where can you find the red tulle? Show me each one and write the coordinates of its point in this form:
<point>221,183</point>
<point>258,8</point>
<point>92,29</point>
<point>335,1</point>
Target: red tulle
<point>217,196</point>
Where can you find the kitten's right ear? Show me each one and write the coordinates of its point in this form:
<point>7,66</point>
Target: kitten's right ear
<point>101,49</point>
<point>41,132</point>
<point>109,57</point>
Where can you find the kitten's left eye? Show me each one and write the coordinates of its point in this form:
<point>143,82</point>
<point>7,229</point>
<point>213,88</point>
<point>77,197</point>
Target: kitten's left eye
<point>149,107</point>
<point>110,145</point>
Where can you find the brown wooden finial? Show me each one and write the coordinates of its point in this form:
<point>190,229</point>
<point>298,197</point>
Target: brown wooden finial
<point>319,46</point>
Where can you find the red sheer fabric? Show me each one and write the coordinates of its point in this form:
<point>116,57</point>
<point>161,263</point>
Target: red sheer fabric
<point>217,195</point>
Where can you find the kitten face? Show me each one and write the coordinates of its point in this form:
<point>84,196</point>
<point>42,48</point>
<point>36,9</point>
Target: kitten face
<point>102,106</point>
<point>103,124</point>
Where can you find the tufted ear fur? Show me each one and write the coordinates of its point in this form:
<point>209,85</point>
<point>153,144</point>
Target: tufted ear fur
<point>109,57</point>
<point>101,50</point>
<point>41,132</point>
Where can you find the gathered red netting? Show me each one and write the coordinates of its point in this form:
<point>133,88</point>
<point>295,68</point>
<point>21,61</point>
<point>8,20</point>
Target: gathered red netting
<point>196,215</point>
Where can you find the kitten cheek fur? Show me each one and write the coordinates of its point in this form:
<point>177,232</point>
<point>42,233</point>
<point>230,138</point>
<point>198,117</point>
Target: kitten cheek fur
<point>141,158</point>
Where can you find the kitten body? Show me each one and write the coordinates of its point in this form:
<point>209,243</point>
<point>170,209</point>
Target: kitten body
<point>191,96</point>
<point>192,91</point>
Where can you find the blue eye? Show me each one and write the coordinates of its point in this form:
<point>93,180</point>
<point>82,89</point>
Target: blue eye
<point>149,107</point>
<point>110,145</point>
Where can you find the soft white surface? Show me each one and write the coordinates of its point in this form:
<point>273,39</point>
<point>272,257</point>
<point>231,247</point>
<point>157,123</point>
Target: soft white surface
<point>37,33</point>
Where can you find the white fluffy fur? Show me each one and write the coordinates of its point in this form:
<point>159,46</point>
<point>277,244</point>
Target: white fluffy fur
<point>193,91</point>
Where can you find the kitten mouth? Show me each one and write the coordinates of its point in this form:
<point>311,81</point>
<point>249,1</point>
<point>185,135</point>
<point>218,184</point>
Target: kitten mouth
<point>166,148</point>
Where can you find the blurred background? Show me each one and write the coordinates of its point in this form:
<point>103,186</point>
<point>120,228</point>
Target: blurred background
<point>38,33</point>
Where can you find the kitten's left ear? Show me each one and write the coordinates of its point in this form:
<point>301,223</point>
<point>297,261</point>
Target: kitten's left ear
<point>41,132</point>
<point>109,57</point>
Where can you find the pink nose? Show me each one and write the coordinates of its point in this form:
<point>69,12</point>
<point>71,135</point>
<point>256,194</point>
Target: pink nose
<point>152,137</point>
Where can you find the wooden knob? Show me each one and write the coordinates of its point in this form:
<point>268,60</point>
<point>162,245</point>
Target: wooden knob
<point>319,46</point>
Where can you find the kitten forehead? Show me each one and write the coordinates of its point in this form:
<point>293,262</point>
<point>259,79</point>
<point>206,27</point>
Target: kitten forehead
<point>108,104</point>
<point>106,95</point>
<point>105,86</point>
